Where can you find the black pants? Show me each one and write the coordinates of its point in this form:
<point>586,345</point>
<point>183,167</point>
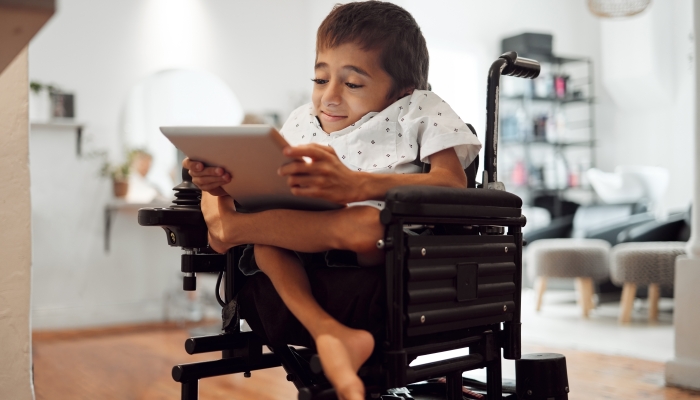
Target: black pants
<point>353,296</point>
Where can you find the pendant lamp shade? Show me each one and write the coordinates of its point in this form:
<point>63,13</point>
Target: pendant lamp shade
<point>617,8</point>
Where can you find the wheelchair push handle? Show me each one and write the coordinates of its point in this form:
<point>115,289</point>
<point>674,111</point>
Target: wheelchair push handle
<point>520,67</point>
<point>507,64</point>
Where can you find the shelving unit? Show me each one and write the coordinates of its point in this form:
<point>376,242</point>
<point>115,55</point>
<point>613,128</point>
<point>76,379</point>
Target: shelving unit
<point>547,131</point>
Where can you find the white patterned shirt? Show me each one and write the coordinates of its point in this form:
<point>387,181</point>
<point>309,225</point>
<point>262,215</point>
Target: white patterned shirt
<point>413,128</point>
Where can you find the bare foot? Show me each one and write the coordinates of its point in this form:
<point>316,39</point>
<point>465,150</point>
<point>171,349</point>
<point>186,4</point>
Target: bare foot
<point>342,353</point>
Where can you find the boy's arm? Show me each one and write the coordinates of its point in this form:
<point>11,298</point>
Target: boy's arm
<point>327,178</point>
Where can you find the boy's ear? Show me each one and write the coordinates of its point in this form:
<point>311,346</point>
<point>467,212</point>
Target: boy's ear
<point>407,91</point>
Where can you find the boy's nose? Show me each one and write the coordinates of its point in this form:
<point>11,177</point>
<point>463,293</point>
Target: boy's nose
<point>332,95</point>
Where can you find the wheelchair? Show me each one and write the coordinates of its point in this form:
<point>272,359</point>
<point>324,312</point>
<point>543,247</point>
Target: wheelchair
<point>452,281</point>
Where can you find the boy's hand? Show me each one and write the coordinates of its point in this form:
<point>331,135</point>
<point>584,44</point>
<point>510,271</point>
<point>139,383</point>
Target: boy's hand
<point>208,179</point>
<point>319,173</point>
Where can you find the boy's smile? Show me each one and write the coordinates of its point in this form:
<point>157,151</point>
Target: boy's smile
<point>349,82</point>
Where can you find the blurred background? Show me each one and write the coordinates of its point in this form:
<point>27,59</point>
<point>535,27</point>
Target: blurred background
<point>603,136</point>
<point>612,92</point>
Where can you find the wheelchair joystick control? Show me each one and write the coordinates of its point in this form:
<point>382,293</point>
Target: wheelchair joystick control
<point>187,194</point>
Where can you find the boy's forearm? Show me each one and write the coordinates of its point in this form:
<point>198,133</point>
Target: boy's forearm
<point>375,186</point>
<point>446,171</point>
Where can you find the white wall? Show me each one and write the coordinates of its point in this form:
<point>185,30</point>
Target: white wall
<point>99,50</point>
<point>15,234</point>
<point>657,129</point>
<point>264,51</point>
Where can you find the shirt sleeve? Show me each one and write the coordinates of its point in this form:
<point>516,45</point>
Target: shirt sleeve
<point>439,128</point>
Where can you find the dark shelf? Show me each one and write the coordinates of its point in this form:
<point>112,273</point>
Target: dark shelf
<point>552,59</point>
<point>543,190</point>
<point>550,99</point>
<point>544,141</point>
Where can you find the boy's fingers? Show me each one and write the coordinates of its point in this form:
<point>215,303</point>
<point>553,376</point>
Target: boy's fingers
<point>296,167</point>
<point>192,165</point>
<point>219,191</point>
<point>209,171</point>
<point>315,152</point>
<point>304,181</point>
<point>209,180</point>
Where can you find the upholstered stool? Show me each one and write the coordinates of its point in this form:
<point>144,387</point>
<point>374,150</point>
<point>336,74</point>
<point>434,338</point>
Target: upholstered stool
<point>585,260</point>
<point>643,263</point>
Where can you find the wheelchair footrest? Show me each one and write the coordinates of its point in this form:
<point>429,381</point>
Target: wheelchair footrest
<point>207,369</point>
<point>442,368</point>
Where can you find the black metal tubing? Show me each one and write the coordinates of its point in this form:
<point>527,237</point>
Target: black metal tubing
<point>387,217</point>
<point>206,344</point>
<point>202,262</point>
<point>507,64</point>
<point>300,376</point>
<point>465,250</point>
<point>207,369</point>
<point>327,394</point>
<point>189,390</point>
<point>395,355</point>
<point>454,385</point>
<point>512,330</point>
<point>427,318</point>
<point>449,271</point>
<point>452,210</point>
<point>492,98</point>
<point>441,368</point>
<point>432,295</point>
<point>444,346</point>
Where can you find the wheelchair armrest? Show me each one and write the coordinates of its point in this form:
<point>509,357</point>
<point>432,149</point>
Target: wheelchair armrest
<point>433,201</point>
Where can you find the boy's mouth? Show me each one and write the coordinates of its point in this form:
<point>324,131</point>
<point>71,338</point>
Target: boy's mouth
<point>331,117</point>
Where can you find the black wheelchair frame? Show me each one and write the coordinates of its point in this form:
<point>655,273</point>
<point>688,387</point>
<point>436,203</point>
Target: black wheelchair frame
<point>443,292</point>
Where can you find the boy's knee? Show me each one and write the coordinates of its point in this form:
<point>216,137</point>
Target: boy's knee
<point>363,230</point>
<point>263,252</point>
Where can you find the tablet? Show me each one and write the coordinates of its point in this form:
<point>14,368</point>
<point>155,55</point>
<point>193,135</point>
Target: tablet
<point>252,154</point>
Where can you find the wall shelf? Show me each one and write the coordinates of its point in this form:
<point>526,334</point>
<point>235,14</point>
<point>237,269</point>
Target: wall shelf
<point>62,124</point>
<point>547,130</point>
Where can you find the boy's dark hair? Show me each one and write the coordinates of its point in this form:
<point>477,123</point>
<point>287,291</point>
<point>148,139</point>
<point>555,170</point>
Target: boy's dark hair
<point>385,26</point>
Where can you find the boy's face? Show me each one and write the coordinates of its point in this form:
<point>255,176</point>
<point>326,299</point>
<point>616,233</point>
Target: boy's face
<point>349,82</point>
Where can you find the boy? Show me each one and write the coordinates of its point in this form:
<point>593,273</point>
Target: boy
<point>369,120</point>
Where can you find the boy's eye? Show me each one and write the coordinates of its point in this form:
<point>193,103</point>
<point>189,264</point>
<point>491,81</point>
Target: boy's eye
<point>319,81</point>
<point>352,85</point>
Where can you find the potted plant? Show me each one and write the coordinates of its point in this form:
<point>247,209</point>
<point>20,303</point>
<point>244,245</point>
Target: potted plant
<point>120,177</point>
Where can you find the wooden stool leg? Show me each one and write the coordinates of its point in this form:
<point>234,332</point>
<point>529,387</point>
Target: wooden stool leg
<point>654,294</point>
<point>582,295</point>
<point>591,287</point>
<point>540,287</point>
<point>629,290</point>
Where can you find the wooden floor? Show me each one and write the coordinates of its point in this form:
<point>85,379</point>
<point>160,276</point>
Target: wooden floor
<point>135,362</point>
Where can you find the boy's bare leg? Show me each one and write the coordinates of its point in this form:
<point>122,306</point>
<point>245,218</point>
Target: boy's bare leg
<point>352,228</point>
<point>342,350</point>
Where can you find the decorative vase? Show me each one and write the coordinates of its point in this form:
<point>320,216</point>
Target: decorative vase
<point>121,187</point>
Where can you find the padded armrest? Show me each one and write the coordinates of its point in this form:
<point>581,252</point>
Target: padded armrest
<point>441,202</point>
<point>455,196</point>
